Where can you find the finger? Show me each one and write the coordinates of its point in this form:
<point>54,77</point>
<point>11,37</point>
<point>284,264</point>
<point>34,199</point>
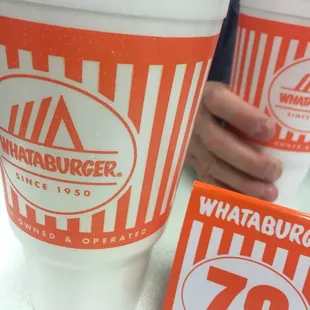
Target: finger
<point>241,182</point>
<point>214,171</point>
<point>198,158</point>
<point>235,152</point>
<point>216,183</point>
<point>202,160</point>
<point>191,157</point>
<point>222,103</point>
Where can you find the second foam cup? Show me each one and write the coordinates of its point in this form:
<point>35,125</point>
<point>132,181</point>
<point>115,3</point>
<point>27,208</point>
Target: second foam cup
<point>272,72</point>
<point>98,101</point>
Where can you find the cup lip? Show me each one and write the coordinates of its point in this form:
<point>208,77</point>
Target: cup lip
<point>297,8</point>
<point>192,10</point>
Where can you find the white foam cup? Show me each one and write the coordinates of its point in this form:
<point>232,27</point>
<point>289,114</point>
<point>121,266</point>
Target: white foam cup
<point>98,101</point>
<point>272,72</point>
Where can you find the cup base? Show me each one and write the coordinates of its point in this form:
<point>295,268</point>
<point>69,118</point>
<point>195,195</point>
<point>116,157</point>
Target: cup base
<point>115,286</point>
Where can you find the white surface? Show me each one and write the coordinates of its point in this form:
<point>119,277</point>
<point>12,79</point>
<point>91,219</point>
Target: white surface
<point>13,292</point>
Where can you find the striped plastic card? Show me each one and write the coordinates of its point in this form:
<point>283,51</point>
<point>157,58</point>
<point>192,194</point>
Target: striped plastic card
<point>237,252</point>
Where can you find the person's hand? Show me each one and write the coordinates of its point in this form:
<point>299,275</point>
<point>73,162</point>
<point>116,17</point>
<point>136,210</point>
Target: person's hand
<point>221,158</point>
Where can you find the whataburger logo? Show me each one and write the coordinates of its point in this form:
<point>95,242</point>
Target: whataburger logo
<point>299,95</point>
<point>289,96</point>
<point>69,141</point>
<point>48,162</point>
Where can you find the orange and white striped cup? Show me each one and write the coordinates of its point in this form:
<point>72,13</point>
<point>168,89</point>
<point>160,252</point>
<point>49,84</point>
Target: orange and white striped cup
<point>98,101</point>
<point>272,72</point>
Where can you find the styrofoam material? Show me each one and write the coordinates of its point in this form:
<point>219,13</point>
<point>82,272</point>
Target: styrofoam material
<point>299,8</point>
<point>290,182</point>
<point>103,279</point>
<point>295,169</point>
<point>279,15</point>
<point>203,10</point>
<point>113,286</point>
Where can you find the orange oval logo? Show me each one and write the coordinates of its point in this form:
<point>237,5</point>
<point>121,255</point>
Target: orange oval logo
<point>63,149</point>
<point>289,97</point>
